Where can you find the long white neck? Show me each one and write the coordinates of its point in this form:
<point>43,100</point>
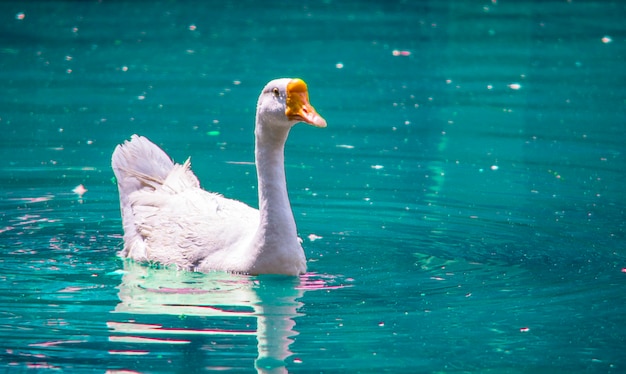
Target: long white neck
<point>274,207</point>
<point>276,237</point>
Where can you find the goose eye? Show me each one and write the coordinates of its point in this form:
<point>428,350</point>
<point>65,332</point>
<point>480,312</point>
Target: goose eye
<point>276,92</point>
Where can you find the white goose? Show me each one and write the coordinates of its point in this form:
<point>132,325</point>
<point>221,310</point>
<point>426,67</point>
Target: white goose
<point>169,219</point>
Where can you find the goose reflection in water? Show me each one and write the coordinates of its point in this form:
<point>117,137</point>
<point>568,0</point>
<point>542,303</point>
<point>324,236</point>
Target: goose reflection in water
<point>205,313</point>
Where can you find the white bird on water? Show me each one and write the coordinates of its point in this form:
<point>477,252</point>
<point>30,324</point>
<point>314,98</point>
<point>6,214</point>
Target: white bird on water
<point>169,219</point>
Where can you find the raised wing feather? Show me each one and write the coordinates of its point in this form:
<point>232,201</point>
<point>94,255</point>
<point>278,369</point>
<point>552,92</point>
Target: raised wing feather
<point>169,219</point>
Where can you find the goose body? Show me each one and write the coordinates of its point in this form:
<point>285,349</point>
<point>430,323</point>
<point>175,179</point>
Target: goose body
<point>169,219</point>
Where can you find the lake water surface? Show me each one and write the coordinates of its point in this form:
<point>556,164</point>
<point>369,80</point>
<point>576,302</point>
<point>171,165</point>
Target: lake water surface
<point>464,210</point>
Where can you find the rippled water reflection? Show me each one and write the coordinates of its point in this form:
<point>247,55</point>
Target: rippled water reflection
<point>462,212</point>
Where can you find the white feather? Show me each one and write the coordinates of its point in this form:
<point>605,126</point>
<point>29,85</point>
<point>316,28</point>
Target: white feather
<point>169,219</point>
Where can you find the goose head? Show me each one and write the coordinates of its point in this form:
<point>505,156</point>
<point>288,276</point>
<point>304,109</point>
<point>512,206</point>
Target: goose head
<point>285,102</point>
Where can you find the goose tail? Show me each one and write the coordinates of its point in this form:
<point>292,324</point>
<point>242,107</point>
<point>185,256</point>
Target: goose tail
<point>138,165</point>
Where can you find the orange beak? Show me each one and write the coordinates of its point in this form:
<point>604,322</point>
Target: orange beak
<point>298,106</point>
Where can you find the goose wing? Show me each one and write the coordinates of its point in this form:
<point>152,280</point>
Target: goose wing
<point>169,219</point>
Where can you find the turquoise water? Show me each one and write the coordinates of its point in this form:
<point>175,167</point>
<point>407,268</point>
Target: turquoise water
<point>462,212</point>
